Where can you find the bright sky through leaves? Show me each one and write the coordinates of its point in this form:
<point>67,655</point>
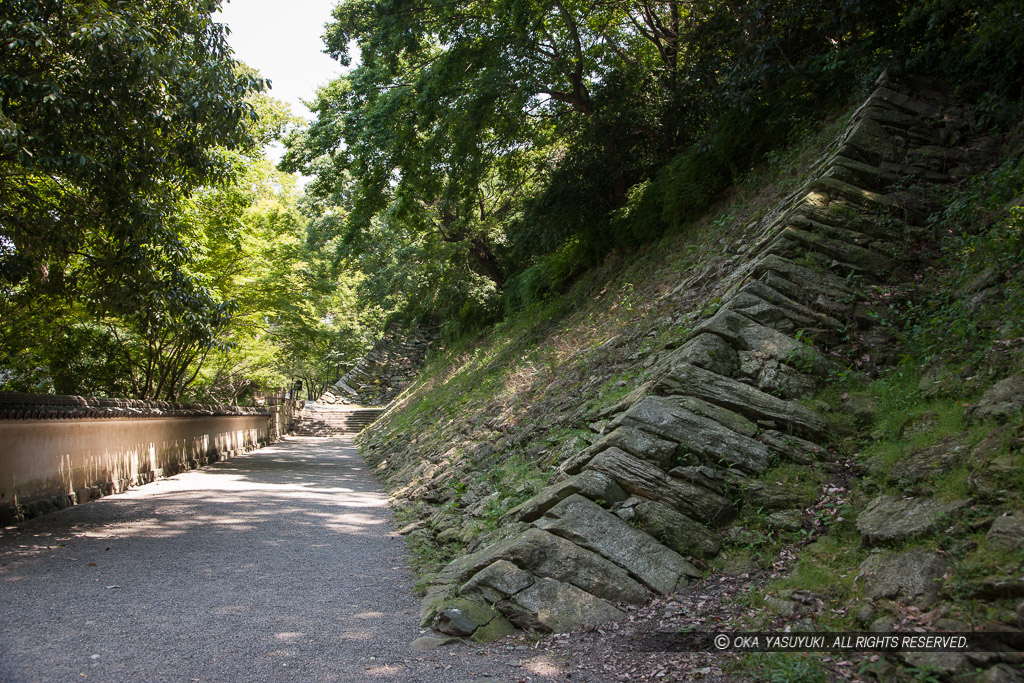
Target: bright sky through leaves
<point>282,39</point>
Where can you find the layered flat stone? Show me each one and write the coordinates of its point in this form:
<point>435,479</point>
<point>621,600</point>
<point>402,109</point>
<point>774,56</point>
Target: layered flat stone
<point>1007,532</point>
<point>761,312</point>
<point>809,283</point>
<point>859,258</point>
<point>913,577</point>
<point>730,420</point>
<point>590,526</point>
<point>676,530</point>
<point>497,581</point>
<point>671,418</point>
<point>792,448</point>
<point>545,555</point>
<point>645,445</point>
<point>708,351</point>
<point>548,555</point>
<point>462,616</point>
<point>888,520</point>
<point>801,315</point>
<point>746,400</point>
<point>553,606</point>
<point>747,335</point>
<point>593,485</point>
<point>643,479</point>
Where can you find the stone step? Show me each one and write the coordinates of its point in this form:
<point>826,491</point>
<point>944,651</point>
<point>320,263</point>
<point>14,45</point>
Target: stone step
<point>691,380</point>
<point>849,257</point>
<point>334,422</point>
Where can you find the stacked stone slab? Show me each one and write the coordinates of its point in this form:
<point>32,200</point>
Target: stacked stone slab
<point>384,372</point>
<point>682,457</point>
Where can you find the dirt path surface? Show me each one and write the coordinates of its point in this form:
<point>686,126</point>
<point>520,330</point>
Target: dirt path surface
<point>280,565</point>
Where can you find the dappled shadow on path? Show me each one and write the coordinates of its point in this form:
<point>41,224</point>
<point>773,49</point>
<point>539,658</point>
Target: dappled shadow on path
<point>280,559</point>
<point>317,482</point>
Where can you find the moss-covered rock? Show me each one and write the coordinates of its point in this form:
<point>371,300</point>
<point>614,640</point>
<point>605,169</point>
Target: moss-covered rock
<point>553,606</point>
<point>913,577</point>
<point>888,520</point>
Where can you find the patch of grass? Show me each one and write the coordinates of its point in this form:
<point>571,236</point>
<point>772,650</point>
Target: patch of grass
<point>784,667</point>
<point>428,557</point>
<point>804,482</point>
<point>751,556</point>
<point>516,480</point>
<point>907,425</point>
<point>975,296</point>
<point>978,559</point>
<point>952,484</point>
<point>616,387</point>
<point>973,561</point>
<point>897,398</point>
<point>827,568</point>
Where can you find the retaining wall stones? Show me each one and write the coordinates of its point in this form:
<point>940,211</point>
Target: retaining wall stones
<point>688,447</point>
<point>386,370</point>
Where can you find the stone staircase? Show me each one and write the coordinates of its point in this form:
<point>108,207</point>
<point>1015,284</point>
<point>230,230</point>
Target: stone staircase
<point>327,420</point>
<point>681,455</point>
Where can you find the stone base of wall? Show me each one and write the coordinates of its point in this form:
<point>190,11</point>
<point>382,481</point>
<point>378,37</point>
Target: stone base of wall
<point>282,419</point>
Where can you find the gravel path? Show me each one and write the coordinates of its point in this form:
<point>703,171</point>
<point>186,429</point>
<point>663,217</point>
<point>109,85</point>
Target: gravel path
<point>280,565</point>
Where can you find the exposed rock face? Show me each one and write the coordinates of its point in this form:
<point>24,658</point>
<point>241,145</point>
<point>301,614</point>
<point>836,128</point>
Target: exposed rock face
<point>1007,532</point>
<point>913,577</point>
<point>888,520</point>
<point>464,617</point>
<point>550,605</point>
<point>587,525</point>
<point>922,463</point>
<point>1004,399</point>
<point>709,440</point>
<point>592,484</point>
<point>709,351</point>
<point>744,399</point>
<point>674,529</point>
<point>722,408</point>
<point>647,481</point>
<point>497,581</point>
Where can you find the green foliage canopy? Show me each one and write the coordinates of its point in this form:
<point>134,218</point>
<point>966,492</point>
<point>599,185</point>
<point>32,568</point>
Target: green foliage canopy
<point>511,127</point>
<point>111,113</point>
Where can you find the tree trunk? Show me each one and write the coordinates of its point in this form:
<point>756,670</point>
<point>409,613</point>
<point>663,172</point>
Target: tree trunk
<point>485,263</point>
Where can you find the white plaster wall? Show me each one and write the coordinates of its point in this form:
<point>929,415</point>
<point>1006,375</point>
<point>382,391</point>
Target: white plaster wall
<point>43,458</point>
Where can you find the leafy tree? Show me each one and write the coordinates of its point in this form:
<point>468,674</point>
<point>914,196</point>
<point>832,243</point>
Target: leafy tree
<point>512,139</point>
<point>110,114</point>
<point>461,115</point>
<point>294,308</point>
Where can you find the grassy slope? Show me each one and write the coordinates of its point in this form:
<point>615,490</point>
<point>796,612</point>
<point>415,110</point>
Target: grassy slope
<point>488,420</point>
<point>953,332</point>
<point>494,414</point>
